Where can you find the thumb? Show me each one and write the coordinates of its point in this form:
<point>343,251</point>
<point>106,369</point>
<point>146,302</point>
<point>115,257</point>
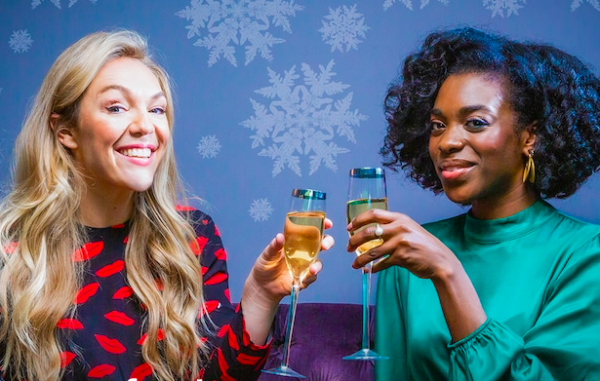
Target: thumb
<point>272,251</point>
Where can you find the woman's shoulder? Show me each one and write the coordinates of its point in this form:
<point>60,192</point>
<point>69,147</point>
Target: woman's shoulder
<point>195,217</point>
<point>577,231</point>
<point>562,222</point>
<point>192,212</point>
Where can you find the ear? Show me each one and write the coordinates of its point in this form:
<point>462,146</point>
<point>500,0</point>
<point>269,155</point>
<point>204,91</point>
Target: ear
<point>528,138</point>
<point>64,133</point>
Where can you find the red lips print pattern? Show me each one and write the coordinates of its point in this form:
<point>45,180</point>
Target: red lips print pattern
<point>102,340</point>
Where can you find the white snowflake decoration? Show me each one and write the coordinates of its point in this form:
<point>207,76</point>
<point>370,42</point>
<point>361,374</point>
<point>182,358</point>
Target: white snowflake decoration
<point>209,147</point>
<point>241,22</point>
<point>344,27</point>
<point>20,41</point>
<point>260,210</point>
<point>36,3</point>
<point>303,119</point>
<point>577,3</point>
<point>408,3</point>
<point>499,6</point>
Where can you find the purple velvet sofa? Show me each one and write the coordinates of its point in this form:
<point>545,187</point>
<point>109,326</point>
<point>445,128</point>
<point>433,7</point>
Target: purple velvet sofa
<point>323,334</point>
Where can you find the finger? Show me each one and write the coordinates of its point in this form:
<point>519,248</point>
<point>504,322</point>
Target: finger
<point>273,250</point>
<point>369,256</point>
<point>327,242</point>
<point>382,264</point>
<point>371,216</point>
<point>314,269</point>
<point>369,233</point>
<point>308,281</point>
<point>328,223</point>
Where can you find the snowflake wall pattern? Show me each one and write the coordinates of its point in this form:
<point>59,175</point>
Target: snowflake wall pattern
<point>408,3</point>
<point>498,7</point>
<point>302,119</point>
<point>260,210</point>
<point>241,22</point>
<point>209,147</point>
<point>36,3</point>
<point>577,3</point>
<point>20,41</point>
<point>343,26</point>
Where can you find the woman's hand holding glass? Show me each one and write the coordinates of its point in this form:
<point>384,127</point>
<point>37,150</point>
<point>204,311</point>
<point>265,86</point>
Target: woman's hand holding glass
<point>269,282</point>
<point>405,243</point>
<point>409,245</point>
<point>270,273</point>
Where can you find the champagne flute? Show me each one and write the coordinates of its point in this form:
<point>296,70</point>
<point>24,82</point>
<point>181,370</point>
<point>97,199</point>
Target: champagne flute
<point>303,233</point>
<point>366,190</point>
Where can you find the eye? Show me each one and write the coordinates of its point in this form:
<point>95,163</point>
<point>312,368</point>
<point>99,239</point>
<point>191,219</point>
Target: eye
<point>476,124</point>
<point>436,125</point>
<point>115,109</point>
<point>158,110</point>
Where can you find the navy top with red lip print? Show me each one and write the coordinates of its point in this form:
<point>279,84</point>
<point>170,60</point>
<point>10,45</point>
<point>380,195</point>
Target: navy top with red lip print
<point>103,341</point>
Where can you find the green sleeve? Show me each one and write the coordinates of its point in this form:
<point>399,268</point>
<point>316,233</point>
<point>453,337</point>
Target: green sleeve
<point>564,344</point>
<point>389,324</point>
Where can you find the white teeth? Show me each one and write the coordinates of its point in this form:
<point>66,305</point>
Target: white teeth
<point>136,152</point>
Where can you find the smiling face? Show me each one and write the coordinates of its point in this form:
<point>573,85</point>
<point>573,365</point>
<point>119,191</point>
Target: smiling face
<point>477,153</point>
<point>122,130</point>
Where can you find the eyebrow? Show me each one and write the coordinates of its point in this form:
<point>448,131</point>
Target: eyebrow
<point>463,111</point>
<point>126,91</point>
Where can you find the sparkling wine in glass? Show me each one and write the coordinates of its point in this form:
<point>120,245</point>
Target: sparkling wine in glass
<point>366,190</point>
<point>303,231</point>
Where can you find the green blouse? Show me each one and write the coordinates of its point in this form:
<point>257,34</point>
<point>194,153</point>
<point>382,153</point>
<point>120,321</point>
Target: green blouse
<point>537,274</point>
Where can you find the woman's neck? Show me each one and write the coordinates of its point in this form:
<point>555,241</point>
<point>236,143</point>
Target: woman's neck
<point>511,203</point>
<point>102,208</point>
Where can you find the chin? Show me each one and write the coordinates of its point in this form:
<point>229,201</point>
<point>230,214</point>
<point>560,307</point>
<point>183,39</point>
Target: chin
<point>142,189</point>
<point>140,186</point>
<point>138,181</point>
<point>460,199</point>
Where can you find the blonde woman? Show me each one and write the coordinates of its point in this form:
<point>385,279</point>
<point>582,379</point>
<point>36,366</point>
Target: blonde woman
<point>103,275</point>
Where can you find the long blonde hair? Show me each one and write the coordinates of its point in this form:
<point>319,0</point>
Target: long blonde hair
<point>39,231</point>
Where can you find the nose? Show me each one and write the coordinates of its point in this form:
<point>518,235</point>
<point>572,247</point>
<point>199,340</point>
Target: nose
<point>141,124</point>
<point>452,139</point>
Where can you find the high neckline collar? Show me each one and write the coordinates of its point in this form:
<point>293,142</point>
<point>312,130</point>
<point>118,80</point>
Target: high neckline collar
<point>507,228</point>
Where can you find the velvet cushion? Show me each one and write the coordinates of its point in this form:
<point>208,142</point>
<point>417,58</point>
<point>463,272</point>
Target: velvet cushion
<point>323,334</point>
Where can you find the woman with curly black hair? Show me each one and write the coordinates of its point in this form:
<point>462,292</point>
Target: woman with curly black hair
<point>509,290</point>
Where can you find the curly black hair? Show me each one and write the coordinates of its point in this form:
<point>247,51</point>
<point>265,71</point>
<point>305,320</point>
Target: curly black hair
<point>548,88</point>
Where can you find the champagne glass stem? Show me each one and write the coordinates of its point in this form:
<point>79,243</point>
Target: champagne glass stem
<point>366,288</point>
<point>291,317</point>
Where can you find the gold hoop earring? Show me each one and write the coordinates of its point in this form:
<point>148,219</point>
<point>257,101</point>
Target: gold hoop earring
<point>529,173</point>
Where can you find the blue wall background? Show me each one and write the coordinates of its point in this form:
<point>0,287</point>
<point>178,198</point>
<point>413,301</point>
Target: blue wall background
<point>317,68</point>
